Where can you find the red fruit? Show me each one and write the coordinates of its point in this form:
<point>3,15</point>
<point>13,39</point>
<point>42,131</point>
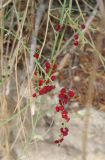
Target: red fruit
<point>41,92</point>
<point>57,109</point>
<point>76,43</point>
<point>64,112</point>
<point>61,96</point>
<point>47,64</point>
<point>76,36</point>
<point>40,82</point>
<point>61,108</point>
<point>64,116</point>
<point>60,102</point>
<point>34,95</point>
<point>36,55</point>
<point>35,73</point>
<point>63,91</point>
<point>52,87</point>
<point>56,141</point>
<point>66,129</point>
<point>53,78</point>
<point>47,70</point>
<point>63,99</point>
<point>71,93</point>
<point>83,26</point>
<point>60,140</point>
<point>54,66</point>
<point>65,133</point>
<point>61,129</point>
<point>59,27</point>
<point>46,89</point>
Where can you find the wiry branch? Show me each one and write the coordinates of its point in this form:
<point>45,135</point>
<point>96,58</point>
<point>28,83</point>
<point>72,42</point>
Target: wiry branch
<point>39,16</point>
<point>101,7</point>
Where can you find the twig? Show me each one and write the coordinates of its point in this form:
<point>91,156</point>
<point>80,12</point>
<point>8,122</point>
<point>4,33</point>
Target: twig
<point>89,21</point>
<point>5,4</point>
<point>101,7</point>
<point>39,15</point>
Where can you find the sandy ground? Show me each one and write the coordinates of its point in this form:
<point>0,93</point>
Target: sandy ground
<point>72,148</point>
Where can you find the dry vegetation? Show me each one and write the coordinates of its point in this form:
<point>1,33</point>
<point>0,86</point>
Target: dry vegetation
<point>26,25</point>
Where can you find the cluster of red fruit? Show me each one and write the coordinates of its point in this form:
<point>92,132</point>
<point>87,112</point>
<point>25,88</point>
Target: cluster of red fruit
<point>64,132</point>
<point>59,27</point>
<point>64,97</point>
<point>46,89</point>
<point>36,55</point>
<point>44,84</point>
<point>76,42</point>
<point>76,37</point>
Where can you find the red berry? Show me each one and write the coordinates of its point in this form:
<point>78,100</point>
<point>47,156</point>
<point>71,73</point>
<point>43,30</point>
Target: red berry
<point>63,91</point>
<point>35,73</point>
<point>57,109</point>
<point>64,116</point>
<point>59,27</point>
<point>71,93</point>
<point>40,82</point>
<point>61,129</point>
<point>61,108</point>
<point>65,133</point>
<point>60,140</point>
<point>36,55</point>
<point>83,26</point>
<point>46,89</point>
<point>54,66</point>
<point>60,102</point>
<point>47,64</point>
<point>66,129</point>
<point>47,70</point>
<point>53,78</point>
<point>56,141</point>
<point>64,112</point>
<point>76,36</point>
<point>34,95</point>
<point>61,96</point>
<point>76,43</point>
<point>63,99</point>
